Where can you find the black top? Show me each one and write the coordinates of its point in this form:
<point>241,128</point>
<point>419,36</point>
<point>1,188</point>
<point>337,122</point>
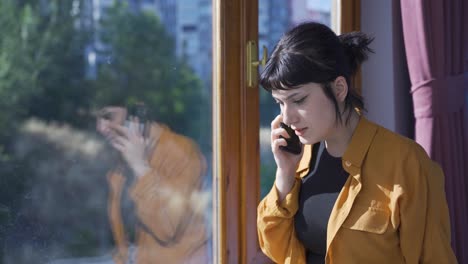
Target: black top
<point>317,195</point>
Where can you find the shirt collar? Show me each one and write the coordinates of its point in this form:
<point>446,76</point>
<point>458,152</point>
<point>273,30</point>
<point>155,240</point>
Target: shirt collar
<point>355,153</point>
<point>359,145</point>
<point>303,167</point>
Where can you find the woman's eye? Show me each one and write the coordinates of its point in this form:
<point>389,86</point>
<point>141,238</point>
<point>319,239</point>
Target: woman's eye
<point>300,100</point>
<point>278,102</point>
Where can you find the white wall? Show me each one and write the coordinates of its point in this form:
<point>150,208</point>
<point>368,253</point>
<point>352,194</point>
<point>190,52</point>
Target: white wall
<point>385,83</point>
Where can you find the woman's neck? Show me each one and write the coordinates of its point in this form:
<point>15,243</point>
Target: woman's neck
<point>338,143</point>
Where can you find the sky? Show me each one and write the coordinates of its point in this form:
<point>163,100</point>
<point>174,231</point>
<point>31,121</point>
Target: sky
<point>320,5</point>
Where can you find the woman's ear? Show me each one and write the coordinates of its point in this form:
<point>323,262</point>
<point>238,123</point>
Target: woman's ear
<point>340,88</point>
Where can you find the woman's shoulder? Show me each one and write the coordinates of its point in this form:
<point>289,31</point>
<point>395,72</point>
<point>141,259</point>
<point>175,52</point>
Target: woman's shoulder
<point>399,151</point>
<point>390,141</point>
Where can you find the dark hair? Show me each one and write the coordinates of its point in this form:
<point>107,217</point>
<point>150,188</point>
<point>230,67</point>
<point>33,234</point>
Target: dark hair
<point>312,52</point>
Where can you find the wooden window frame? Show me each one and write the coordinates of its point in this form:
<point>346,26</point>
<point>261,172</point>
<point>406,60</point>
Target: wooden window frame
<point>236,126</point>
<point>348,15</point>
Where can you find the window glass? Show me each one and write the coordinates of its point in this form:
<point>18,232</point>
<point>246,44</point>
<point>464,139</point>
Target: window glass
<point>276,17</point>
<point>105,131</point>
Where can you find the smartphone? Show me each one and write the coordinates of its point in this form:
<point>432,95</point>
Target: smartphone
<point>141,111</point>
<point>294,144</point>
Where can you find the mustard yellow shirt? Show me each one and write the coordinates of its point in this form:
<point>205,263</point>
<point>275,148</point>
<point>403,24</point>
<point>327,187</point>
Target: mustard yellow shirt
<point>392,208</point>
<point>166,203</point>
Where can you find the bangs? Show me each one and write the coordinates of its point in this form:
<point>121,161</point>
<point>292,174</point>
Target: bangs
<point>290,71</point>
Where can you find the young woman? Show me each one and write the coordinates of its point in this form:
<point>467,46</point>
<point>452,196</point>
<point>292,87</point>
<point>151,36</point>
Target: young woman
<point>164,173</point>
<point>357,192</point>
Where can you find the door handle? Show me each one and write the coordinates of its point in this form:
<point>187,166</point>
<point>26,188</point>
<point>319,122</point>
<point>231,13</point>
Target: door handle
<point>253,62</point>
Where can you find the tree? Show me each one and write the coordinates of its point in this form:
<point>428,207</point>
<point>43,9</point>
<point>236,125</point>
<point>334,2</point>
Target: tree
<point>65,93</point>
<point>21,61</point>
<point>138,63</point>
<point>41,62</point>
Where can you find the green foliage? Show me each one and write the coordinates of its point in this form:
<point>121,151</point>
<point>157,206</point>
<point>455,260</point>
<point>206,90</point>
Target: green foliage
<point>42,68</point>
<point>64,91</point>
<point>267,172</point>
<point>41,64</point>
<point>268,108</point>
<point>20,61</point>
<point>140,65</point>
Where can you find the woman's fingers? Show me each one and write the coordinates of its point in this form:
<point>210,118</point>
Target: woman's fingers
<point>138,126</point>
<point>276,122</point>
<point>276,133</point>
<point>119,140</point>
<point>130,140</point>
<point>276,130</point>
<point>119,143</point>
<point>277,143</point>
<point>120,130</point>
<point>135,127</point>
<point>118,147</point>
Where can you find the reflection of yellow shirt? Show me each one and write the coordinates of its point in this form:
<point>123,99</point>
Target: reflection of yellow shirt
<point>392,208</point>
<point>169,204</point>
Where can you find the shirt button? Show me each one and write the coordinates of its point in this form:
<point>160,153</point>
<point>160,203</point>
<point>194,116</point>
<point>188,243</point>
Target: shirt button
<point>347,163</point>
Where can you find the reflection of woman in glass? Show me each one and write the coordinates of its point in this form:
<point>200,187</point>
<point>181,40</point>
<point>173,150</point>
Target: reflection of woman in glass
<point>357,192</point>
<point>168,204</point>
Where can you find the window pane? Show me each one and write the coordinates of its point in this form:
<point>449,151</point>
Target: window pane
<point>105,131</point>
<point>276,17</point>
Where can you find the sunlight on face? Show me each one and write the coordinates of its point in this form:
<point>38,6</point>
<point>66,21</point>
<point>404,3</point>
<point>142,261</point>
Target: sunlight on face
<point>308,111</point>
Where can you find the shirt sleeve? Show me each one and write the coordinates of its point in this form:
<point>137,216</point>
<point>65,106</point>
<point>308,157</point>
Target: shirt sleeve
<point>425,224</point>
<point>169,200</point>
<point>275,226</point>
<point>116,181</point>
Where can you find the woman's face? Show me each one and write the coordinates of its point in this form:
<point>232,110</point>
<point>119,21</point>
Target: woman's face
<point>308,111</point>
<point>110,115</point>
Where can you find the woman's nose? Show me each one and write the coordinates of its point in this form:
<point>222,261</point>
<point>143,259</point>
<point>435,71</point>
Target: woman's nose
<point>289,117</point>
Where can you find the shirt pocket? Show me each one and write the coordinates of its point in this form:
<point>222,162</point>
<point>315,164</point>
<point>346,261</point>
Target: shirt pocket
<point>368,219</point>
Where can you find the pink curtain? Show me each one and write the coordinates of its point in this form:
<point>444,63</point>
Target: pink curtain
<point>436,41</point>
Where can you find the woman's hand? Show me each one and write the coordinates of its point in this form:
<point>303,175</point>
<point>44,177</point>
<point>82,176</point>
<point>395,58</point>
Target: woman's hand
<point>132,145</point>
<point>286,162</point>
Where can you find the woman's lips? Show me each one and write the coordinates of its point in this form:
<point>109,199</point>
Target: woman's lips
<point>300,132</point>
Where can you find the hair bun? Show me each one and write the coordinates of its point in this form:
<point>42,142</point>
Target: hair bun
<point>356,47</point>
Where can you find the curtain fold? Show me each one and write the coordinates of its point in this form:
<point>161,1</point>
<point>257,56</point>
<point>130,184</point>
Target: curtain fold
<point>436,42</point>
